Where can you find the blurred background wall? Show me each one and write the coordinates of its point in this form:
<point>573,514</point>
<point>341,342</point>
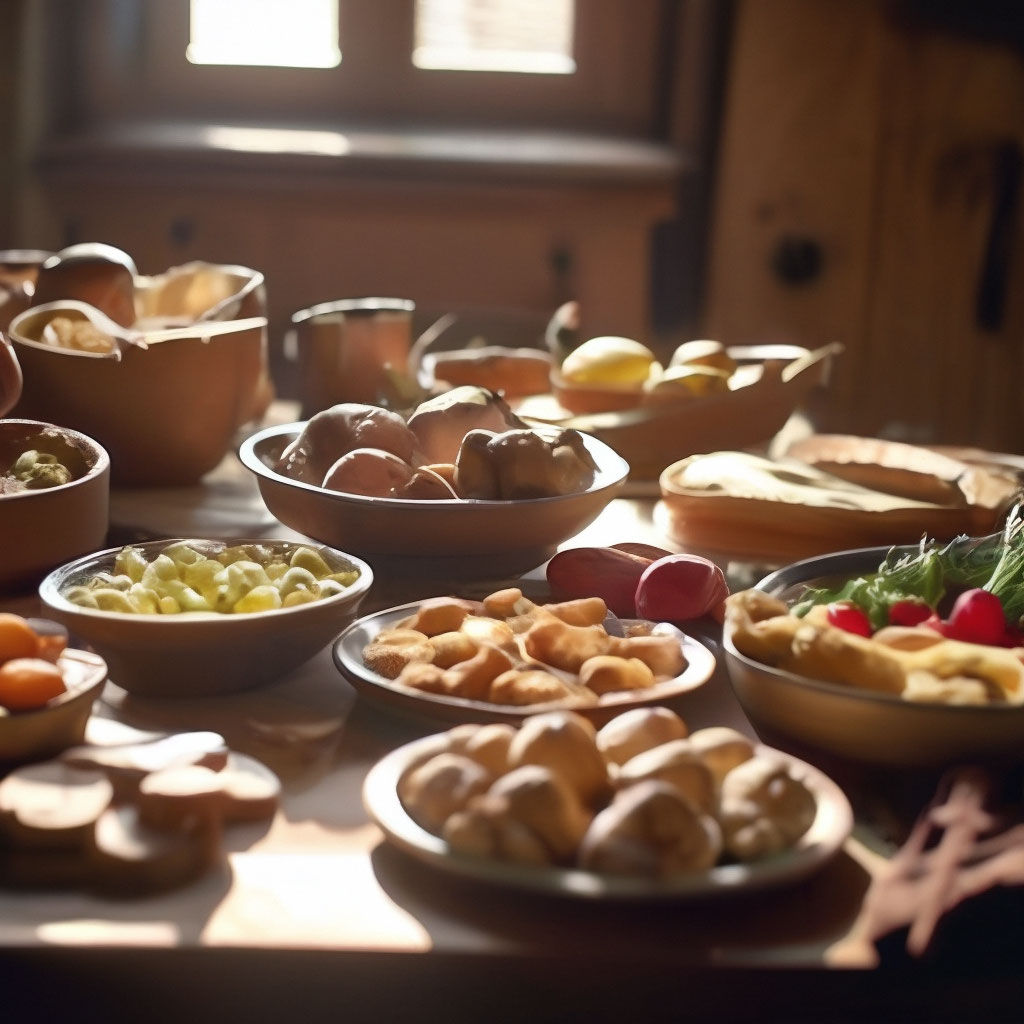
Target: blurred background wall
<point>760,170</point>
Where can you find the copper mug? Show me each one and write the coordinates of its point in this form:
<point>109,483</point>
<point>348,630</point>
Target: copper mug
<point>352,350</point>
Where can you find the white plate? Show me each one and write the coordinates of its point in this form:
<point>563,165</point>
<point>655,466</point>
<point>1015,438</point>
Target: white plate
<point>831,827</point>
<point>348,657</point>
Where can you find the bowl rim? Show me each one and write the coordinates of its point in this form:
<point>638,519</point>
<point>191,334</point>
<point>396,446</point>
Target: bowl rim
<point>51,596</point>
<point>609,476</point>
<point>100,466</point>
<point>98,675</point>
<point>780,579</point>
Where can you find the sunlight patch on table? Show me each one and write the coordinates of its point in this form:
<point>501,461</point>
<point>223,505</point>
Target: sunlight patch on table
<point>311,901</point>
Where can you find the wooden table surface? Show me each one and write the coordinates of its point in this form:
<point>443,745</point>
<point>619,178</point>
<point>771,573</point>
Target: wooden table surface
<point>313,910</point>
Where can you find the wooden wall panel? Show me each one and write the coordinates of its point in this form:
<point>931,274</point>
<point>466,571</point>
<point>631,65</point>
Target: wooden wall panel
<point>876,140</point>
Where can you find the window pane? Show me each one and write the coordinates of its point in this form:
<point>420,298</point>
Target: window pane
<point>495,35</point>
<point>282,33</point>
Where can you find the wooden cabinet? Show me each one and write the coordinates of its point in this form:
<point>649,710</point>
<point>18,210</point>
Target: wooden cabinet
<point>867,193</point>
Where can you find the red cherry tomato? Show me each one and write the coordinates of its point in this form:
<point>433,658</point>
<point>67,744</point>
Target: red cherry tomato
<point>845,615</point>
<point>908,613</point>
<point>977,618</point>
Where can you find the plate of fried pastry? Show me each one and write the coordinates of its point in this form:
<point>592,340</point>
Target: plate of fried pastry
<point>506,657</point>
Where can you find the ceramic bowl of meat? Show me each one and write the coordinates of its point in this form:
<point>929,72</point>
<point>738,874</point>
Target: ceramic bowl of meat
<point>223,630</point>
<point>466,537</point>
<point>163,377</point>
<point>855,722</point>
<point>54,499</point>
<point>45,729</point>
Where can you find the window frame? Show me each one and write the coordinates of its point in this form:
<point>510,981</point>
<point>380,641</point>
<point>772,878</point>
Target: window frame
<point>135,66</point>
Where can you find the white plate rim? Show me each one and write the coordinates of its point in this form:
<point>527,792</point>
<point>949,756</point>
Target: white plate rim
<point>347,653</point>
<point>832,826</point>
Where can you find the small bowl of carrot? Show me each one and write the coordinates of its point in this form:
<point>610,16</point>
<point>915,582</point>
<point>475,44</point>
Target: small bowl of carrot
<point>47,690</point>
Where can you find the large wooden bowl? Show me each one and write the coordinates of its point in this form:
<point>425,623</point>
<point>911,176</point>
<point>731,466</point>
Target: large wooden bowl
<point>465,537</point>
<point>651,432</point>
<point>168,412</point>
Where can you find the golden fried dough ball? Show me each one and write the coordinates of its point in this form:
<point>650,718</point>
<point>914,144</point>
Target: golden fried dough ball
<point>425,676</point>
<point>522,687</point>
<point>556,643</point>
<point>488,631</point>
<point>472,679</point>
<point>663,655</point>
<point>439,615</point>
<point>605,673</point>
<point>637,730</point>
<point>583,611</point>
<point>452,647</point>
<point>503,604</point>
<point>392,649</point>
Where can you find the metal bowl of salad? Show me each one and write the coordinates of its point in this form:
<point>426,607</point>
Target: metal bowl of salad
<point>909,656</point>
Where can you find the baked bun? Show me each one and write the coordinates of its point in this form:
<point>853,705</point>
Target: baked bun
<point>335,432</point>
<point>513,372</point>
<point>653,831</point>
<point>516,464</point>
<point>440,423</point>
<point>678,764</point>
<point>764,809</point>
<point>379,474</point>
<point>368,471</point>
<point>637,730</point>
<point>566,744</point>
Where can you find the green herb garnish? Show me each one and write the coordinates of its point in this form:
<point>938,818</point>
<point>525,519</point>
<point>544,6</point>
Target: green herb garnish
<point>994,563</point>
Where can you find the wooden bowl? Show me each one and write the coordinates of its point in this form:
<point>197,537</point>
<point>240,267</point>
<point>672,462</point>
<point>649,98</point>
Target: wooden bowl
<point>473,538</point>
<point>202,654</point>
<point>651,432</point>
<point>47,731</point>
<point>43,528</point>
<point>167,410</point>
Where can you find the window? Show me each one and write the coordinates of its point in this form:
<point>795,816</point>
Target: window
<point>588,66</point>
<point>281,33</point>
<point>528,36</point>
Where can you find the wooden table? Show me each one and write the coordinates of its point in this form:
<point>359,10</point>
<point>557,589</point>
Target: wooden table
<point>313,916</point>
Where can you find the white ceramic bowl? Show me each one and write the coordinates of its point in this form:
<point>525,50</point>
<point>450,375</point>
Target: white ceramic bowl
<point>813,718</point>
<point>469,538</point>
<point>203,654</point>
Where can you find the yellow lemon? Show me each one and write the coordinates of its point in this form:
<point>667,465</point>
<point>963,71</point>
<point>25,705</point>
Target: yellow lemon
<point>609,360</point>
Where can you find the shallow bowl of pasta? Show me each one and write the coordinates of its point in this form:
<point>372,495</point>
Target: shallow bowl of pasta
<point>901,700</point>
<point>198,617</point>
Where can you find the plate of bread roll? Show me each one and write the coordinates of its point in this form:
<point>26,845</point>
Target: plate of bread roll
<point>638,809</point>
